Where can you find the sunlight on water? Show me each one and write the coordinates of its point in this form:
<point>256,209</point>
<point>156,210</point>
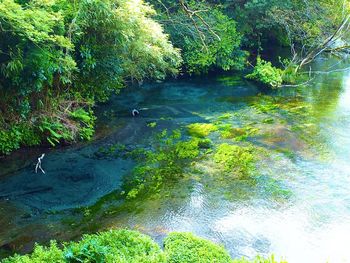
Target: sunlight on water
<point>297,206</point>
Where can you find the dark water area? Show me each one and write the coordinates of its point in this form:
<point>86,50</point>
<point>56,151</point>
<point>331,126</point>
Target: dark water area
<point>297,206</point>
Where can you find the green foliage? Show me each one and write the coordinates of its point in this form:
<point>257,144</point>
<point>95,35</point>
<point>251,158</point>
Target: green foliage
<point>238,134</point>
<point>201,130</point>
<point>167,161</point>
<point>116,40</point>
<point>266,74</point>
<point>54,131</point>
<point>223,51</point>
<point>40,254</point>
<point>86,120</point>
<point>152,124</point>
<point>127,246</point>
<point>122,246</point>
<point>208,40</point>
<point>20,134</point>
<point>98,44</point>
<point>187,248</point>
<point>237,161</point>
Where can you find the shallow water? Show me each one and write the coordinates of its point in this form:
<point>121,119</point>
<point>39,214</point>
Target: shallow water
<point>297,206</point>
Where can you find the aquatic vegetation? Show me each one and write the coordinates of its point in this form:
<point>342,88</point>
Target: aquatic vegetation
<point>238,161</point>
<point>167,161</point>
<point>201,130</point>
<point>268,120</point>
<point>225,116</point>
<point>274,188</point>
<point>204,143</point>
<point>152,124</point>
<point>187,248</point>
<point>259,259</point>
<point>236,133</point>
<point>265,104</point>
<point>266,74</point>
<point>231,80</point>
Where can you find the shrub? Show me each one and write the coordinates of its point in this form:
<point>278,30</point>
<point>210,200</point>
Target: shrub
<point>187,248</point>
<point>19,134</point>
<point>51,254</point>
<point>266,74</point>
<point>122,246</point>
<point>127,246</point>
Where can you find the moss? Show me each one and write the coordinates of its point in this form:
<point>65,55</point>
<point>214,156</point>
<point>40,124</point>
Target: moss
<point>167,161</point>
<point>187,149</point>
<point>201,130</point>
<point>204,143</point>
<point>225,116</point>
<point>238,134</point>
<point>265,104</point>
<point>152,124</point>
<point>187,248</point>
<point>268,121</point>
<point>236,160</point>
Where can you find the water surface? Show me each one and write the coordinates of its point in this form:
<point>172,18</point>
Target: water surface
<point>297,206</point>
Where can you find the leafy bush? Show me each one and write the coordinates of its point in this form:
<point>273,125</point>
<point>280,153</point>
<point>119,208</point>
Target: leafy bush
<point>266,74</point>
<point>17,135</point>
<point>122,246</point>
<point>56,57</point>
<point>41,254</point>
<point>187,248</point>
<point>127,246</point>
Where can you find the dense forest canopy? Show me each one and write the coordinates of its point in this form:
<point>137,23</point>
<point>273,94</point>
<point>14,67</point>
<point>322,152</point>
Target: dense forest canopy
<point>59,57</point>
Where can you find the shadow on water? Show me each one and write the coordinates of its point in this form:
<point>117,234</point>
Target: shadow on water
<point>294,205</point>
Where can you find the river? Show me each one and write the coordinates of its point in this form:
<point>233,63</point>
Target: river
<point>297,204</point>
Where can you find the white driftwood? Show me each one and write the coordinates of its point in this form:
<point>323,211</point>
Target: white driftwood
<point>135,112</point>
<point>38,164</point>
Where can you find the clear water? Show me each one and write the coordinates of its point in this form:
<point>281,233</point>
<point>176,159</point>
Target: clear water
<point>297,206</point>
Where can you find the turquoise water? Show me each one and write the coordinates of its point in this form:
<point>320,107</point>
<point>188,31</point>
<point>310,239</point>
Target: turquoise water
<point>296,206</point>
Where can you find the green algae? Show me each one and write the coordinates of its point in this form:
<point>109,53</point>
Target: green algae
<point>237,133</point>
<point>167,161</point>
<point>237,161</point>
<point>201,130</point>
<point>152,124</point>
<point>225,116</point>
